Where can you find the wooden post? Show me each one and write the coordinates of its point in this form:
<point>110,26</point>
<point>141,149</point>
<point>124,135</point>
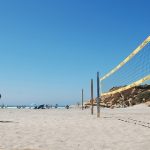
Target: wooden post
<point>98,96</point>
<point>82,99</point>
<point>91,96</point>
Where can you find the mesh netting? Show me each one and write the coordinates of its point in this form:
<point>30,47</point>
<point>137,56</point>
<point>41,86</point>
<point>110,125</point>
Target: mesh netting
<point>135,69</point>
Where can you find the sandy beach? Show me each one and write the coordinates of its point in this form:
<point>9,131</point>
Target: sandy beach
<point>74,129</point>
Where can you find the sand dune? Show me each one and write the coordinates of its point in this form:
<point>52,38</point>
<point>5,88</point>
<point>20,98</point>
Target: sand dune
<point>74,129</point>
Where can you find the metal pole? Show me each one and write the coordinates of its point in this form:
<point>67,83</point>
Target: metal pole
<point>91,96</point>
<point>98,96</point>
<point>82,99</point>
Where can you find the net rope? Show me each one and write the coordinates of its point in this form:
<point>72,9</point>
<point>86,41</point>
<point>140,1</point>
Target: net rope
<point>133,70</point>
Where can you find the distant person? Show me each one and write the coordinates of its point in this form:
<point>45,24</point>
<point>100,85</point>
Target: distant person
<point>2,106</point>
<point>18,107</point>
<point>56,106</point>
<point>47,106</point>
<point>67,106</point>
<point>35,107</point>
<point>0,98</point>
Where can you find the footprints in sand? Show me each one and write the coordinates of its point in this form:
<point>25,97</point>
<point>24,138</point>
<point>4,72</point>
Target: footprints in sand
<point>130,120</point>
<point>136,122</point>
<point>6,121</point>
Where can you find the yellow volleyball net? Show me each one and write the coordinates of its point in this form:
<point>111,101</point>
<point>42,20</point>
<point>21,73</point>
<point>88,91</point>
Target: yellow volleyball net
<point>132,71</point>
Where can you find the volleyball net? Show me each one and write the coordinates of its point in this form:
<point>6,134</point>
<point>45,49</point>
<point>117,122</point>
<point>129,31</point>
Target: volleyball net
<point>132,71</point>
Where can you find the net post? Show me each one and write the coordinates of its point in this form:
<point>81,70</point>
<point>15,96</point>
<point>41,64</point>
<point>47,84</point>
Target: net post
<point>92,97</point>
<point>98,97</point>
<point>100,86</point>
<point>82,98</point>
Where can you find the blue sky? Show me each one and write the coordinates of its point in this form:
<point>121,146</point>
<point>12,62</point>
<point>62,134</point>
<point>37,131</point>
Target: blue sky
<point>51,49</point>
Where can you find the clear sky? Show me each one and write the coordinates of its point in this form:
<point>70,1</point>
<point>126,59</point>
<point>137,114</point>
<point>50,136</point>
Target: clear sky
<point>50,49</point>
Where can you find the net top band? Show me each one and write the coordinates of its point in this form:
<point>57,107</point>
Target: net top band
<point>139,48</point>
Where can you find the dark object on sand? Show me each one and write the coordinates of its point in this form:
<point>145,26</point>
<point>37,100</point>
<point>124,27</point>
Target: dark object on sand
<point>41,107</point>
<point>56,106</point>
<point>35,107</point>
<point>47,106</point>
<point>6,121</point>
<point>2,106</point>
<point>67,106</point>
<point>18,107</point>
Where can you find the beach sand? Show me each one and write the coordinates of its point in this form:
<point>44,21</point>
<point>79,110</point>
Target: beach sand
<point>74,129</point>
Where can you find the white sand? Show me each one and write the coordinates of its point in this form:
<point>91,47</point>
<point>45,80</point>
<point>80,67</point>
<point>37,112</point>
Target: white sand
<point>117,129</point>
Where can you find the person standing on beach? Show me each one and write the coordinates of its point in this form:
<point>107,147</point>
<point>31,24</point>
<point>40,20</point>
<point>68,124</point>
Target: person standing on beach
<point>67,106</point>
<point>56,106</point>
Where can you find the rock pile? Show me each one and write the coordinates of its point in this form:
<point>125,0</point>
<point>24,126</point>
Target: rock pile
<point>132,96</point>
